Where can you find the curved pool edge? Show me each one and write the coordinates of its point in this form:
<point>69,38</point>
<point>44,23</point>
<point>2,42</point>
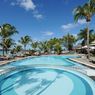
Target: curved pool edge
<point>85,77</point>
<point>82,63</point>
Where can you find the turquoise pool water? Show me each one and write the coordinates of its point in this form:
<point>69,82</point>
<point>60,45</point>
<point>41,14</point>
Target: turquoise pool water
<point>45,81</point>
<point>50,60</point>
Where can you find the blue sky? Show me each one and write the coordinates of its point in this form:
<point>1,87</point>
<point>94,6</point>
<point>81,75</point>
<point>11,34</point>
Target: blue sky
<point>42,19</point>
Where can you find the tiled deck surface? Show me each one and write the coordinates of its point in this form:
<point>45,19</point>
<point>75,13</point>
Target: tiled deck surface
<point>84,61</point>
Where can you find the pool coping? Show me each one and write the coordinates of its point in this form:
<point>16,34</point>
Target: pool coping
<point>84,64</point>
<point>88,64</point>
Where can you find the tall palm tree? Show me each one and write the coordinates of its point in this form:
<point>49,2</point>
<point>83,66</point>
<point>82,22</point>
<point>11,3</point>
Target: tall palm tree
<point>25,41</point>
<point>83,36</point>
<point>7,30</point>
<point>85,12</point>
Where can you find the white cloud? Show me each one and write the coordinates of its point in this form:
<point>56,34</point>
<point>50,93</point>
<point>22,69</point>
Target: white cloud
<point>81,21</point>
<point>26,4</point>
<point>48,33</point>
<point>37,15</point>
<point>69,26</point>
<point>75,35</point>
<point>35,39</point>
<point>13,4</point>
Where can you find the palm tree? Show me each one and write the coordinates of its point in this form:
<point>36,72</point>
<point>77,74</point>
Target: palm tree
<point>85,12</point>
<point>40,48</point>
<point>6,32</point>
<point>54,43</point>
<point>68,41</point>
<point>25,41</point>
<point>58,48</point>
<point>45,47</point>
<point>34,45</point>
<point>83,36</point>
<point>92,2</point>
<point>18,48</point>
<point>6,44</point>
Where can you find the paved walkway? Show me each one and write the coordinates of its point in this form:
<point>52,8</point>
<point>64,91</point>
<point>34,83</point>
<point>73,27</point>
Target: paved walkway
<point>90,70</point>
<point>84,61</point>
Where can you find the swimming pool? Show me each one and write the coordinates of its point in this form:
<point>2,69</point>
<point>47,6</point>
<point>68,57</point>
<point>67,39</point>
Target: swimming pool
<point>45,75</point>
<point>46,81</point>
<point>48,60</point>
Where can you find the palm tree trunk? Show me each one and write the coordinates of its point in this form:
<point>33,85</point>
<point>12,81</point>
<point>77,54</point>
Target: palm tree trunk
<point>88,50</point>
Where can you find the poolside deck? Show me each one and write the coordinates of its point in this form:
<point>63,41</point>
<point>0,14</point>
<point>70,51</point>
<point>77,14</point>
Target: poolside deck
<point>84,61</point>
<point>90,71</point>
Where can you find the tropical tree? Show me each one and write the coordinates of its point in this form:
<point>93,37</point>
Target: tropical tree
<point>54,43</point>
<point>83,36</point>
<point>17,49</point>
<point>6,31</point>
<point>92,2</point>
<point>6,44</point>
<point>58,48</point>
<point>34,45</point>
<point>40,47</point>
<point>25,41</point>
<point>69,41</point>
<point>85,12</point>
<point>44,47</point>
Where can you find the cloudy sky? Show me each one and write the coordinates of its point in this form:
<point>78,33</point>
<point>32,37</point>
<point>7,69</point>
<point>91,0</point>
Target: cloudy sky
<point>42,19</point>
